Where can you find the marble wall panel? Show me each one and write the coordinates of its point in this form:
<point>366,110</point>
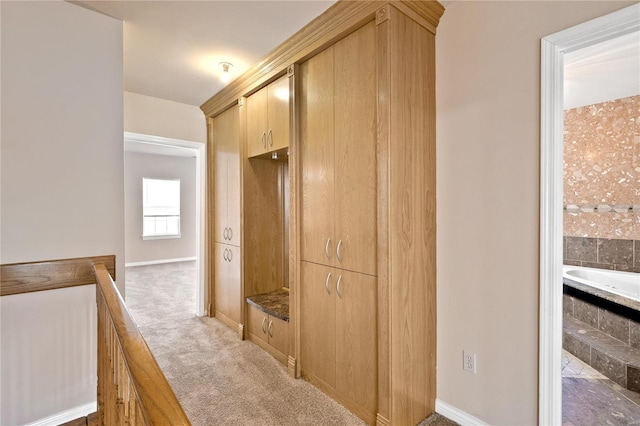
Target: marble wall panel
<point>602,166</point>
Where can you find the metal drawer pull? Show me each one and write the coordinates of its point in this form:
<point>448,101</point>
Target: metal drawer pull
<point>262,139</point>
<point>338,287</point>
<point>270,325</point>
<point>326,248</point>
<point>326,283</point>
<point>338,251</point>
<point>270,138</point>
<point>264,320</point>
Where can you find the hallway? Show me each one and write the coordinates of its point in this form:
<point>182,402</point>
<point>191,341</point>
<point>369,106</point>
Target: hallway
<point>218,378</point>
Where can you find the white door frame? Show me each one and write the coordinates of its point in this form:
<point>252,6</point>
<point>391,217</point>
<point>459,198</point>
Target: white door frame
<point>201,186</point>
<point>554,47</point>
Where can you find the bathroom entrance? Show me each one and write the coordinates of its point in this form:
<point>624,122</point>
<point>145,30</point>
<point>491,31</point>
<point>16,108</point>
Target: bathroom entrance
<point>589,220</point>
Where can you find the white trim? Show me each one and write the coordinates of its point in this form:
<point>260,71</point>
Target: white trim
<point>553,47</point>
<point>457,415</point>
<point>161,237</point>
<point>158,262</point>
<point>67,416</point>
<point>201,194</point>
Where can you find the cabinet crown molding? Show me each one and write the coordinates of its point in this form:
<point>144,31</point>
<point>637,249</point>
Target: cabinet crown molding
<point>339,19</point>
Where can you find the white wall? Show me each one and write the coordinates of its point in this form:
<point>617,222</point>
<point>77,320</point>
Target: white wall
<point>488,142</point>
<point>49,353</point>
<point>62,191</point>
<point>137,166</point>
<point>62,148</point>
<point>159,117</point>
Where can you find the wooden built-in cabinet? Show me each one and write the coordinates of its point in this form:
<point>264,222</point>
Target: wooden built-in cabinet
<point>268,118</point>
<point>269,332</point>
<point>224,153</point>
<point>337,130</point>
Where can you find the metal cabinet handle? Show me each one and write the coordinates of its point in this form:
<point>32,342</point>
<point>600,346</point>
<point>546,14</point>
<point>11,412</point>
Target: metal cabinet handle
<point>338,251</point>
<point>326,283</point>
<point>230,234</point>
<point>270,138</point>
<point>264,320</point>
<point>338,286</point>
<point>270,325</point>
<point>262,139</point>
<point>326,248</point>
<point>230,256</point>
<point>224,233</point>
<point>224,254</point>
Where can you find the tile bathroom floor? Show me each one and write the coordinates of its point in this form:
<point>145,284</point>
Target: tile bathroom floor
<point>590,398</point>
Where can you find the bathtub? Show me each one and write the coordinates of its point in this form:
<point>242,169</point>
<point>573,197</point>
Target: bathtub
<point>625,284</point>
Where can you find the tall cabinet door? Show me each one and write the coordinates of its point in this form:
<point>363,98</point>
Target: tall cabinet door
<point>232,148</point>
<point>355,151</point>
<point>226,146</point>
<point>356,338</point>
<point>220,163</point>
<point>317,158</point>
<point>317,323</point>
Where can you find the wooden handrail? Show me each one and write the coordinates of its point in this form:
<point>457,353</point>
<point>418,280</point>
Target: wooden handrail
<point>131,386</point>
<point>18,278</point>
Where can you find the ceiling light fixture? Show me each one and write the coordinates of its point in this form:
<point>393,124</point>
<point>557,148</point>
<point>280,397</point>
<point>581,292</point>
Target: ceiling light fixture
<point>226,76</point>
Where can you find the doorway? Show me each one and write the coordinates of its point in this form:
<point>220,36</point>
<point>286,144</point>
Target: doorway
<point>553,49</point>
<point>195,152</point>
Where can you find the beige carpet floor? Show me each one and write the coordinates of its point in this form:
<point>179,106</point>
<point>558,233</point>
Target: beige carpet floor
<point>219,379</point>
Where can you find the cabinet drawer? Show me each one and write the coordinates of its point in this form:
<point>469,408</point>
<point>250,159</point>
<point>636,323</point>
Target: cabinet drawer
<point>278,331</point>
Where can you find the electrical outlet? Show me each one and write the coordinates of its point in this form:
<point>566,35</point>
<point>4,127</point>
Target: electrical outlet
<point>469,362</point>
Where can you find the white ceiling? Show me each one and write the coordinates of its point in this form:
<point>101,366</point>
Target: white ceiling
<point>172,49</point>
<point>603,72</point>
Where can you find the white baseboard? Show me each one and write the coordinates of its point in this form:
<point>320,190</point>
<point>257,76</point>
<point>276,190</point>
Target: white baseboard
<point>67,416</point>
<point>157,262</point>
<point>457,415</point>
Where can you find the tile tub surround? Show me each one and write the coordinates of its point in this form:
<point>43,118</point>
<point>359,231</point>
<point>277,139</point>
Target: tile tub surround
<point>602,166</point>
<point>602,333</point>
<point>602,253</point>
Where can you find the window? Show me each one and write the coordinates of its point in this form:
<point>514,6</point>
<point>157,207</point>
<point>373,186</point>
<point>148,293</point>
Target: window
<point>160,208</point>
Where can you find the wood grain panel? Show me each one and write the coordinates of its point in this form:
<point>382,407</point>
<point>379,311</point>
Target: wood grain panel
<point>412,217</point>
<point>227,282</point>
<point>383,66</point>
<point>278,331</point>
<point>318,322</point>
<point>317,158</point>
<point>257,123</point>
<point>232,148</point>
<point>225,157</point>
<point>356,339</point>
<point>258,323</point>
<point>355,150</point>
<point>263,230</point>
<point>294,221</point>
<point>278,114</point>
<point>17,278</point>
